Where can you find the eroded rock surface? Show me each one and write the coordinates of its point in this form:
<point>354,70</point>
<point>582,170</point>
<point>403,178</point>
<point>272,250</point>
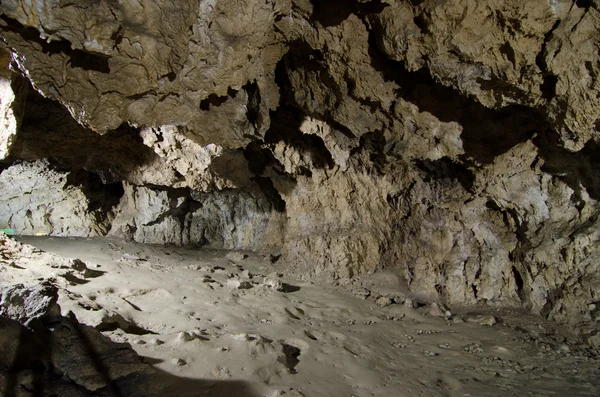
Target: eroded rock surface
<point>39,199</point>
<point>454,142</point>
<point>226,220</point>
<point>13,91</point>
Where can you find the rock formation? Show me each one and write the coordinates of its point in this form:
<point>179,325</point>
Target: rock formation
<point>454,142</point>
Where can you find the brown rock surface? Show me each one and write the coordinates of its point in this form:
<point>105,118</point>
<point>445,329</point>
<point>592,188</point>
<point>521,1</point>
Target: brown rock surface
<point>455,142</point>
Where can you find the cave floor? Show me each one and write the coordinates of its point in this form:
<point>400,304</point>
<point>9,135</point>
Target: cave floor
<point>213,319</point>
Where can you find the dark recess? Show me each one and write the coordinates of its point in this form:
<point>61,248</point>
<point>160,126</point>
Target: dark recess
<point>507,50</point>
<point>334,12</point>
<point>187,205</point>
<point>552,297</point>
<point>576,169</point>
<point>49,131</point>
<point>285,126</point>
<point>445,168</point>
<point>373,143</point>
<point>266,186</point>
<point>261,159</point>
<point>78,58</point>
<point>131,328</point>
<point>102,196</point>
<point>519,283</point>
<point>171,76</point>
<point>584,3</point>
<point>421,23</point>
<point>548,86</point>
<point>290,356</point>
<point>254,99</point>
<point>213,100</point>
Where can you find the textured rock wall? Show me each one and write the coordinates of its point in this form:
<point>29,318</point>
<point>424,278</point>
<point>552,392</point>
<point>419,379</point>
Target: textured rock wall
<point>227,219</point>
<point>452,141</point>
<point>12,92</point>
<point>38,199</point>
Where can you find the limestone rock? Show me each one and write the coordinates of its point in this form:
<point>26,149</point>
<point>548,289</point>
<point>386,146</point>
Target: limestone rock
<point>485,49</point>
<point>38,199</point>
<point>13,91</point>
<point>240,220</point>
<point>26,304</point>
<point>486,320</point>
<point>154,63</point>
<point>571,59</point>
<point>452,142</point>
<point>383,301</point>
<point>273,281</point>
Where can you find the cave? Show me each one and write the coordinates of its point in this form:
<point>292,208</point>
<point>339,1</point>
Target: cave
<point>294,198</point>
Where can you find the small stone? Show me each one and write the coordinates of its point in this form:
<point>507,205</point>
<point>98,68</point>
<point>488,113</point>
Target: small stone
<point>436,311</point>
<point>178,361</point>
<point>140,342</point>
<point>362,293</point>
<point>408,302</point>
<point>186,336</point>
<point>129,257</point>
<point>233,283</point>
<point>235,256</point>
<point>487,320</point>
<point>399,300</point>
<point>288,393</point>
<point>221,373</point>
<point>194,267</point>
<point>78,264</point>
<point>594,341</point>
<point>473,348</point>
<point>245,285</point>
<point>272,281</point>
<point>383,301</point>
<point>156,342</point>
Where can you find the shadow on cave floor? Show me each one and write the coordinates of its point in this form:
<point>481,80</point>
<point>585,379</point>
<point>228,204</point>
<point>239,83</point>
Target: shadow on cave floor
<point>72,344</point>
<point>176,386</point>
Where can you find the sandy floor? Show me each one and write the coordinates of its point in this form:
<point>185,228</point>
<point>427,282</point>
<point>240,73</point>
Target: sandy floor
<point>232,324</point>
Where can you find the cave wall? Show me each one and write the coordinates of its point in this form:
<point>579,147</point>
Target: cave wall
<point>455,141</point>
